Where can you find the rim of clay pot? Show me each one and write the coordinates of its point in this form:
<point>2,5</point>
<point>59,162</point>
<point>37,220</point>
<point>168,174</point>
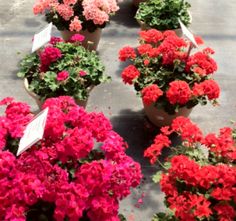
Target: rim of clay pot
<point>26,86</point>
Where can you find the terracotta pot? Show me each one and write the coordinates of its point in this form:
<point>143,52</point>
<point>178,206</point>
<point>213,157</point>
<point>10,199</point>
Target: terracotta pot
<point>160,118</point>
<point>178,31</point>
<point>136,2</point>
<point>39,102</point>
<point>32,94</point>
<point>91,38</point>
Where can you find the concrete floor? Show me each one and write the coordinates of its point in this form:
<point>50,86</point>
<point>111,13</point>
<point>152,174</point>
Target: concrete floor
<point>213,20</point>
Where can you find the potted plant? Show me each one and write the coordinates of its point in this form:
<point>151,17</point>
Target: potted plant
<point>170,79</point>
<point>198,184</point>
<point>63,176</point>
<point>62,68</point>
<point>163,15</point>
<point>87,17</point>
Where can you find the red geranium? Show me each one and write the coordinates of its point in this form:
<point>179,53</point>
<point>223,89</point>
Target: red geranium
<point>211,89</point>
<point>197,186</point>
<point>169,62</point>
<point>129,74</point>
<point>150,94</point>
<point>151,36</point>
<point>127,53</point>
<point>179,92</point>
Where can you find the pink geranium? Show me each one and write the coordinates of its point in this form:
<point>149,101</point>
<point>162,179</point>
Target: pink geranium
<point>66,15</point>
<point>63,172</point>
<point>62,76</point>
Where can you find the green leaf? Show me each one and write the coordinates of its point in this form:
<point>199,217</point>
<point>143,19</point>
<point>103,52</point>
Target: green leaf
<point>157,177</point>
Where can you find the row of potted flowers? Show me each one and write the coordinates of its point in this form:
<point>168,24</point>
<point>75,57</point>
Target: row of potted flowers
<point>89,17</point>
<point>66,176</point>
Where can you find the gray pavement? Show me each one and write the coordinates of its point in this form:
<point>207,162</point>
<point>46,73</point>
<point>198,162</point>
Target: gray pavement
<point>213,20</point>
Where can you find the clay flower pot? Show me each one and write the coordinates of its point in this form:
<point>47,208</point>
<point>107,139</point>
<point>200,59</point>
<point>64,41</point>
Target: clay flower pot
<point>161,118</point>
<point>91,40</point>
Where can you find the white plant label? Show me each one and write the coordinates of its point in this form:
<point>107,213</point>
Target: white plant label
<point>33,132</point>
<point>188,34</point>
<point>42,38</point>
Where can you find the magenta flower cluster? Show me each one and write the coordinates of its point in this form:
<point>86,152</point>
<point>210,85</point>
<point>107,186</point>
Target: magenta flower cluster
<point>64,168</point>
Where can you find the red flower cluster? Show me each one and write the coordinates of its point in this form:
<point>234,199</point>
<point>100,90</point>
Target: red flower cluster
<point>222,145</point>
<point>151,36</point>
<point>179,92</point>
<point>197,186</point>
<point>47,56</point>
<point>164,59</point>
<point>64,169</point>
<point>202,60</point>
<point>127,53</point>
<point>196,192</point>
<point>129,74</point>
<point>150,94</point>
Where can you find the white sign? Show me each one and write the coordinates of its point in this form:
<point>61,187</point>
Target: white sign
<point>188,34</point>
<point>33,132</point>
<point>42,38</point>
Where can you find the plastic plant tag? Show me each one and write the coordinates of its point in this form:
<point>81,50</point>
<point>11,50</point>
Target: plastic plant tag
<point>42,38</point>
<point>33,132</point>
<point>188,34</point>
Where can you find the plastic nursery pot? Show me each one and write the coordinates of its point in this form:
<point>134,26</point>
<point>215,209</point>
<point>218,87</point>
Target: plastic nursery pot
<point>82,103</point>
<point>91,40</point>
<point>136,2</point>
<point>161,118</point>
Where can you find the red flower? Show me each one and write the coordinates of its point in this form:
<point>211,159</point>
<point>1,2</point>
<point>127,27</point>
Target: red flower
<point>127,53</point>
<point>144,48</point>
<point>151,36</point>
<point>199,40</point>
<point>208,51</point>
<point>225,211</point>
<point>198,90</point>
<point>211,89</point>
<point>154,151</point>
<point>146,62</point>
<point>199,71</point>
<point>179,92</point>
<point>169,33</point>
<point>129,74</point>
<point>151,93</point>
<point>203,61</point>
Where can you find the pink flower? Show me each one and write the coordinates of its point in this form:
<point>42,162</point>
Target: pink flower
<point>75,24</point>
<point>47,56</point>
<point>65,11</point>
<point>63,75</point>
<point>77,37</point>
<point>55,40</point>
<point>99,10</point>
<point>82,73</point>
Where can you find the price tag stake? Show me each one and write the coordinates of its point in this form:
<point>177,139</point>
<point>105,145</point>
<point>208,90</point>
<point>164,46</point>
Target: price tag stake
<point>188,34</point>
<point>42,38</point>
<point>34,132</point>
